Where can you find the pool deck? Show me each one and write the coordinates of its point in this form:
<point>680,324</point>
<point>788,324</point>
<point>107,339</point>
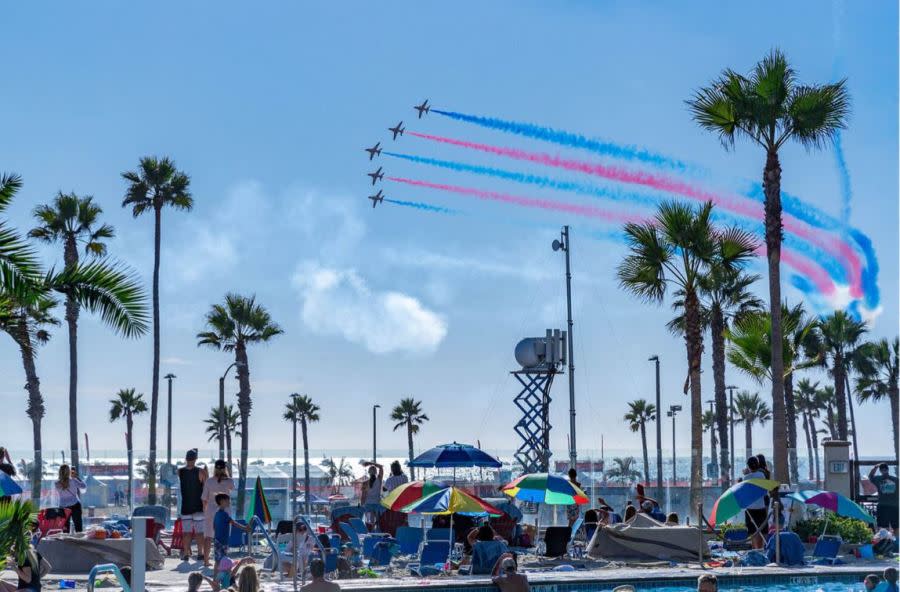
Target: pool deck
<point>174,577</point>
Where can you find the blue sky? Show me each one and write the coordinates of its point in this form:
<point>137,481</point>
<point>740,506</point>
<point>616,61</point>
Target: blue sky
<point>268,106</point>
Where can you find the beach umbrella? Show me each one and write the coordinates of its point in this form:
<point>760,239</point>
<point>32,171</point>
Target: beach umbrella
<point>8,486</point>
<point>259,507</point>
<point>453,456</point>
<point>833,501</point>
<point>738,497</point>
<point>407,493</point>
<point>545,488</point>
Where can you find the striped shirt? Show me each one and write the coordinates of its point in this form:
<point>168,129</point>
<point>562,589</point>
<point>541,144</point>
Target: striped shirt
<point>394,481</point>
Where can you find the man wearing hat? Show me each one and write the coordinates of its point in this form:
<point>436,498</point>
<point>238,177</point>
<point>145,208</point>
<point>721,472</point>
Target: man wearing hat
<point>191,478</point>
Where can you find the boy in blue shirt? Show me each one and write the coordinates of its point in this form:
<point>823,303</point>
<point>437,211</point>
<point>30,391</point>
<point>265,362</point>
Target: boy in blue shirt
<point>222,523</point>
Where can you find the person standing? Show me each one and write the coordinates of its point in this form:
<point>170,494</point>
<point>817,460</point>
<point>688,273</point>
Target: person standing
<point>219,483</point>
<point>371,490</point>
<point>190,479</point>
<point>397,478</point>
<point>756,515</point>
<point>888,508</point>
<point>573,511</point>
<point>69,488</point>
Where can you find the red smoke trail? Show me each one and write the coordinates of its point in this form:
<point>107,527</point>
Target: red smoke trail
<point>528,202</point>
<point>739,205</point>
<point>818,276</point>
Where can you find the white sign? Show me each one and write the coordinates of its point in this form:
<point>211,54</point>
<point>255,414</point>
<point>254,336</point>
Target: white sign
<point>838,466</point>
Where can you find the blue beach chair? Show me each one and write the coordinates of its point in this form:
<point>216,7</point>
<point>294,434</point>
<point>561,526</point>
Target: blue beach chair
<point>433,553</point>
<point>439,534</point>
<point>485,555</point>
<point>409,539</point>
<point>827,549</point>
<point>359,526</point>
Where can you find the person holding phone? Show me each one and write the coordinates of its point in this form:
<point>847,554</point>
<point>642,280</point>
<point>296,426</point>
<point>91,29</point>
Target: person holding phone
<point>888,507</point>
<point>69,488</point>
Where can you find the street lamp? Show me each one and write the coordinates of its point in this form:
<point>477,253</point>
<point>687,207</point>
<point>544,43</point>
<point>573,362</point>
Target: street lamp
<point>659,483</point>
<point>731,390</point>
<point>563,245</point>
<point>222,407</point>
<point>712,469</point>
<point>673,410</point>
<point>169,377</point>
<point>374,435</point>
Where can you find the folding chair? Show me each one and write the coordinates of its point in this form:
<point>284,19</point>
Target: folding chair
<point>409,539</point>
<point>827,549</point>
<point>433,553</point>
<point>556,539</point>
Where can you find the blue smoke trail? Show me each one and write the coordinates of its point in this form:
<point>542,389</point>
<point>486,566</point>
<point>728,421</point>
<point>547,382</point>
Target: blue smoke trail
<point>844,173</point>
<point>421,206</point>
<point>567,139</point>
<point>828,262</point>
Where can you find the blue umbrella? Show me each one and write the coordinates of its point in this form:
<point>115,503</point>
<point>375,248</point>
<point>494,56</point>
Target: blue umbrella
<point>8,486</point>
<point>453,456</point>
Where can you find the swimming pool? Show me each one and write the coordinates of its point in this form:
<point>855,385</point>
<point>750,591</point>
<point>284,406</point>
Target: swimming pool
<point>786,587</point>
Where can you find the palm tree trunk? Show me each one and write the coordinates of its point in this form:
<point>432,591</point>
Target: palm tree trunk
<point>717,329</point>
<point>228,449</point>
<point>790,415</point>
<point>409,438</point>
<point>748,437</point>
<point>305,465</point>
<point>35,408</point>
<point>832,422</point>
<point>852,418</point>
<point>154,387</point>
<point>294,468</point>
<point>772,189</point>
<point>129,427</point>
<point>70,258</point>
<point>646,458</point>
<point>840,396</point>
<point>815,442</point>
<point>895,410</point>
<point>809,450</point>
<point>694,341</point>
<point>244,406</point>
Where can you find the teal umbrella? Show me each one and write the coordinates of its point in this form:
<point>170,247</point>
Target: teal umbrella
<point>833,501</point>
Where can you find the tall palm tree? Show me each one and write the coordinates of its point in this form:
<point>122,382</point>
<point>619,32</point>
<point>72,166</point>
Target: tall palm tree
<point>827,400</point>
<point>770,108</point>
<point>231,427</point>
<point>676,250</point>
<point>879,379</point>
<point>302,410</point>
<point>709,421</point>
<point>624,470</point>
<point>808,404</point>
<point>232,326</point>
<point>841,341</point>
<point>154,185</point>
<point>338,473</point>
<point>73,221</point>
<point>751,351</point>
<point>409,414</point>
<point>126,405</point>
<point>750,409</point>
<point>639,413</point>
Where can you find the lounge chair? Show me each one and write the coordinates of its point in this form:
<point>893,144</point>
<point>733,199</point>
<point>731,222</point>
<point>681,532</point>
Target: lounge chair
<point>433,553</point>
<point>409,539</point>
<point>575,548</point>
<point>827,549</point>
<point>736,539</point>
<point>237,538</point>
<point>359,526</point>
<point>107,568</point>
<point>556,541</point>
<point>485,555</point>
<point>439,534</point>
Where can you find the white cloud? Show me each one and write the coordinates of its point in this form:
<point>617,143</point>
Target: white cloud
<point>212,253</point>
<point>339,302</point>
<point>175,361</point>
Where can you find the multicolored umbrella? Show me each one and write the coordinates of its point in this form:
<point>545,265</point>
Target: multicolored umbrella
<point>545,488</point>
<point>407,493</point>
<point>738,497</point>
<point>8,486</point>
<point>452,500</point>
<point>258,504</point>
<point>455,455</point>
<point>833,501</point>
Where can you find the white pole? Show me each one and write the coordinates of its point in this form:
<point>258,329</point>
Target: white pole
<point>138,552</point>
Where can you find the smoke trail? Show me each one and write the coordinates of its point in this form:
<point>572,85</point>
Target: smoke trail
<point>836,247</point>
<point>567,139</point>
<point>844,174</point>
<point>421,206</point>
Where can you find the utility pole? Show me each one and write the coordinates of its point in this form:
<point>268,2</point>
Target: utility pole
<point>563,244</point>
<point>169,377</point>
<point>374,435</point>
<point>673,410</point>
<point>659,481</point>
<point>731,390</point>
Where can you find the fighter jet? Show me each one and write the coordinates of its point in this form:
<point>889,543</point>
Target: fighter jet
<point>377,198</point>
<point>374,150</point>
<point>376,175</point>
<point>423,108</point>
<point>398,130</point>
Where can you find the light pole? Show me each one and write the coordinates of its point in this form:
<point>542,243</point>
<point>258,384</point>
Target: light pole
<point>563,244</point>
<point>659,483</point>
<point>374,435</point>
<point>673,410</point>
<point>294,442</point>
<point>222,408</point>
<point>731,390</point>
<point>711,470</point>
<point>169,377</point>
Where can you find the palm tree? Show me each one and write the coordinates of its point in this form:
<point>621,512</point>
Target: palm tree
<point>750,409</point>
<point>709,421</point>
<point>301,410</point>
<point>409,414</point>
<point>231,427</point>
<point>234,325</point>
<point>879,379</point>
<point>841,341</point>
<point>18,262</point>
<point>127,404</point>
<point>338,473</point>
<point>676,250</point>
<point>15,528</point>
<point>827,399</point>
<point>751,352</point>
<point>72,221</point>
<point>154,185</point>
<point>624,470</point>
<point>639,413</point>
<point>808,404</point>
<point>770,108</point>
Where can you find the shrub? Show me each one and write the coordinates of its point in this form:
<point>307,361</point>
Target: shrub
<point>849,529</point>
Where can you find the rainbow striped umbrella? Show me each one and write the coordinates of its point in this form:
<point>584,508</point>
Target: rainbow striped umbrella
<point>545,488</point>
<point>407,493</point>
<point>452,500</point>
<point>738,497</point>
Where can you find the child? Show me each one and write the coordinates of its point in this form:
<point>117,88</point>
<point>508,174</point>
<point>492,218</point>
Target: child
<point>226,574</point>
<point>222,523</point>
<point>871,582</point>
<point>195,578</point>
